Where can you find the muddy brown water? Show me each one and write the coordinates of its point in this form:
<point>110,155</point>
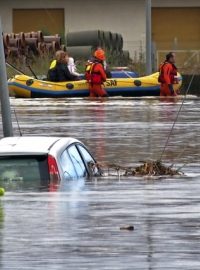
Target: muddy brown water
<point>79,226</point>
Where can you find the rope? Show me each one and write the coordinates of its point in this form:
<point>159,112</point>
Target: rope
<point>172,128</point>
<point>178,156</point>
<point>20,132</point>
<point>194,159</point>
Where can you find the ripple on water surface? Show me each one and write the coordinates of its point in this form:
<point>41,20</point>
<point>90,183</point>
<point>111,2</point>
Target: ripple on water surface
<point>79,227</point>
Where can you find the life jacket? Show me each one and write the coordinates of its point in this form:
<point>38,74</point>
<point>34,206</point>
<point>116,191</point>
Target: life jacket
<point>92,76</point>
<point>172,75</point>
<point>52,74</point>
<point>53,64</point>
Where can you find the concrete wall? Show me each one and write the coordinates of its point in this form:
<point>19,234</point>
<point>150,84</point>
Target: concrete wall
<point>175,3</point>
<point>127,19</point>
<point>113,16</point>
<point>124,16</point>
<point>7,6</point>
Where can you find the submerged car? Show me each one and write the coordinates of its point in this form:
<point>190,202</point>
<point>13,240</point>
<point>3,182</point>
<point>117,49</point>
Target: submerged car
<point>47,159</point>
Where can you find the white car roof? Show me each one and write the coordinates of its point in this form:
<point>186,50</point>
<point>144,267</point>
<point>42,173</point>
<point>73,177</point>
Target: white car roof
<point>31,145</point>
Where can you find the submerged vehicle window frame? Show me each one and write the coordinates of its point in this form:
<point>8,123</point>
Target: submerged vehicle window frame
<point>83,161</point>
<point>42,162</point>
<point>64,166</point>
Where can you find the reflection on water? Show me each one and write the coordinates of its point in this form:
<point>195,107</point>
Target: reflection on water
<point>79,226</point>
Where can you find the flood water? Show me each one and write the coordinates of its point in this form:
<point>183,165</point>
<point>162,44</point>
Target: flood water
<point>79,226</point>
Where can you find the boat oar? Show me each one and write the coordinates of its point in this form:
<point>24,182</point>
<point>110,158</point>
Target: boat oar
<point>32,71</point>
<point>19,71</point>
<point>16,69</point>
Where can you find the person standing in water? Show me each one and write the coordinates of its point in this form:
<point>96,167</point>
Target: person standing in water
<point>167,76</point>
<point>95,74</point>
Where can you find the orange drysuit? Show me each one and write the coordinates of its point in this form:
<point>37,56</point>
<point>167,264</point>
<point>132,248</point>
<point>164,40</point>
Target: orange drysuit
<point>96,76</point>
<point>168,71</point>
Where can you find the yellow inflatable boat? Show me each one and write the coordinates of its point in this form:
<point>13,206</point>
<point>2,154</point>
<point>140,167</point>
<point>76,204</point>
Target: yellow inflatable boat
<point>23,86</point>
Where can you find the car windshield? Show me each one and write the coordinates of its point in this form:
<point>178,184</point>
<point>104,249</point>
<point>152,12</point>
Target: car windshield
<point>25,169</point>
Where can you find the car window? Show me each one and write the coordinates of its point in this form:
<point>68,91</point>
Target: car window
<point>89,160</point>
<point>77,161</point>
<point>67,166</point>
<point>24,168</point>
<point>86,155</point>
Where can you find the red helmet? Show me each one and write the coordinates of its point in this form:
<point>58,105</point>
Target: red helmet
<point>100,54</point>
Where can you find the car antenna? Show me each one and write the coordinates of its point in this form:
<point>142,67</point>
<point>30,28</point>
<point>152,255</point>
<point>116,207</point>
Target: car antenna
<point>20,132</point>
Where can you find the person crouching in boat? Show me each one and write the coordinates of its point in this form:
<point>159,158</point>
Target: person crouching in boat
<point>95,75</point>
<point>58,71</point>
<point>167,76</point>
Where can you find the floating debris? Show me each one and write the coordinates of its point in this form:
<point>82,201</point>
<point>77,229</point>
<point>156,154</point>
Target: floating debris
<point>153,168</point>
<point>148,168</point>
<point>127,228</point>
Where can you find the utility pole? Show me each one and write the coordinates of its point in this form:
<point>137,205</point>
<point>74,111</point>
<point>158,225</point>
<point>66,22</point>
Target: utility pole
<point>148,38</point>
<point>4,94</point>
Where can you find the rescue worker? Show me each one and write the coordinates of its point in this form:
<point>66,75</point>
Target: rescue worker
<point>95,74</point>
<point>58,71</point>
<point>167,76</point>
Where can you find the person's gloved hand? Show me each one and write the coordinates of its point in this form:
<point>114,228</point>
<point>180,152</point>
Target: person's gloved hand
<point>171,89</point>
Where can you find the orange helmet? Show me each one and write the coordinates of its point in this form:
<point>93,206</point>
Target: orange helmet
<point>100,54</point>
